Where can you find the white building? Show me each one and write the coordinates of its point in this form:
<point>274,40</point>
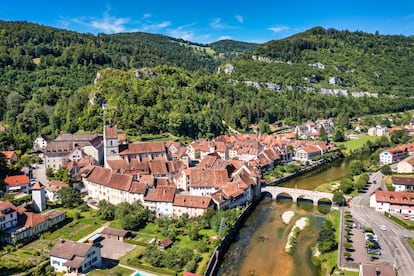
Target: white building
<point>403,184</point>
<point>69,256</point>
<point>392,202</point>
<point>406,165</point>
<point>8,215</point>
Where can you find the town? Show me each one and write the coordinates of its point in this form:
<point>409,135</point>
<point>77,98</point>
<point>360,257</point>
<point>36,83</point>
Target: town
<point>172,180</point>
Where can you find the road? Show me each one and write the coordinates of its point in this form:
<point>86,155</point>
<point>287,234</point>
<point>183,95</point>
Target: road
<point>393,246</point>
<point>40,173</point>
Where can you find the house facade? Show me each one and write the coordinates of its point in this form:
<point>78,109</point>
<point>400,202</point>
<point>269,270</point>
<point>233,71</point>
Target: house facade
<point>75,257</point>
<point>17,183</point>
<point>18,224</point>
<point>403,184</point>
<point>41,142</point>
<point>392,202</point>
<point>194,206</point>
<point>65,144</point>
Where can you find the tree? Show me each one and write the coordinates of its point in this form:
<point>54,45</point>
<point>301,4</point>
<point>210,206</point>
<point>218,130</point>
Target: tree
<point>356,167</point>
<point>323,134</point>
<point>342,121</point>
<point>359,185</point>
<point>399,137</point>
<point>346,185</point>
<point>326,238</point>
<point>106,210</point>
<point>338,135</point>
<point>68,197</point>
<point>339,199</point>
<point>386,170</point>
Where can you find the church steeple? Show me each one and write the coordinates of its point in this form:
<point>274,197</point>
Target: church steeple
<point>111,145</point>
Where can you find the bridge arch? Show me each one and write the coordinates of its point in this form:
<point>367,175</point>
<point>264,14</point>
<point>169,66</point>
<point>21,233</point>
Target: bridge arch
<point>314,196</point>
<point>284,195</point>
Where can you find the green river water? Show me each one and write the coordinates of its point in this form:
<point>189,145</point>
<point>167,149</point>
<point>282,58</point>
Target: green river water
<point>260,247</point>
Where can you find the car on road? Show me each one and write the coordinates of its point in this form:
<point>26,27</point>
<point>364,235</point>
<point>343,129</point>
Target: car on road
<point>383,227</point>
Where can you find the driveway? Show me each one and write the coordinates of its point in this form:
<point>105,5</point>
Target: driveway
<point>112,249</point>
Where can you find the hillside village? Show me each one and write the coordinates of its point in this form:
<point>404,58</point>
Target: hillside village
<point>171,179</point>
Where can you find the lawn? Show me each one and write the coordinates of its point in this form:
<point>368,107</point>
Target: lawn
<point>117,270</point>
<point>328,187</point>
<point>76,229</point>
<point>353,144</point>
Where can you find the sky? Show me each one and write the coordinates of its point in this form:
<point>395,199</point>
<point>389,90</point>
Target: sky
<point>201,21</point>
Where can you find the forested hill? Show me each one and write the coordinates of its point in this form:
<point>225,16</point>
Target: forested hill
<point>359,61</point>
<point>154,83</point>
<point>21,42</point>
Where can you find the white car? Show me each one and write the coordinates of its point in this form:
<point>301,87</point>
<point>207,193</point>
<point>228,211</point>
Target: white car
<point>383,228</point>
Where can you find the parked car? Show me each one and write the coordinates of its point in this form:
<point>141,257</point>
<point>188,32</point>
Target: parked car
<point>406,217</point>
<point>411,217</point>
<point>383,228</point>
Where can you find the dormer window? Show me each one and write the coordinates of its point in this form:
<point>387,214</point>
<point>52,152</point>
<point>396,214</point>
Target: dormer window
<point>391,198</point>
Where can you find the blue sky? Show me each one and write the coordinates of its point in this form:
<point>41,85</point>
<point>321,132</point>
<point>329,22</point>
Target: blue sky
<point>209,21</point>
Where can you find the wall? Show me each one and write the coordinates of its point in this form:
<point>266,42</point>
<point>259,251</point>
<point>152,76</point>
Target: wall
<point>218,254</point>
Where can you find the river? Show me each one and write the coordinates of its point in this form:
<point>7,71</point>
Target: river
<point>260,247</point>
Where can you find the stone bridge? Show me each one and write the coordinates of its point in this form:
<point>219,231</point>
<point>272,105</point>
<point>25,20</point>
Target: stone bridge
<point>297,193</point>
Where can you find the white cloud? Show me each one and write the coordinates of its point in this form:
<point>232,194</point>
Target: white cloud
<point>224,37</point>
<point>110,24</point>
<point>239,18</point>
<point>155,26</point>
<point>216,24</point>
<point>278,29</point>
<point>147,15</point>
<point>180,32</point>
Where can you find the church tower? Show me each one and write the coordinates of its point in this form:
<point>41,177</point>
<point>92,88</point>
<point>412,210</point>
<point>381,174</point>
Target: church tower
<point>111,145</point>
<point>38,197</point>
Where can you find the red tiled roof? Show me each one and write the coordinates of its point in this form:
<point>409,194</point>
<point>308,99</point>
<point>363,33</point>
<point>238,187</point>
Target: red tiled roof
<point>117,165</point>
<point>403,198</point>
<point>37,186</point>
<point>144,147</point>
<point>396,180</point>
<point>208,177</point>
<point>110,132</point>
<point>8,153</point>
<point>138,188</point>
<point>4,205</point>
<point>30,219</point>
<point>106,177</point>
<point>121,137</point>
<point>16,180</point>
<point>192,201</point>
<point>161,194</point>
<point>55,185</point>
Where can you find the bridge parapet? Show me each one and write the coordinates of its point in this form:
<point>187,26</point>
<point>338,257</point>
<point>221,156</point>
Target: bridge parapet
<point>297,193</point>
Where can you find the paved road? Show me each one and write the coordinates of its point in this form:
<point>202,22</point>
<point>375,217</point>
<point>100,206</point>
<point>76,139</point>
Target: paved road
<point>393,245</point>
<point>40,173</point>
<point>362,200</point>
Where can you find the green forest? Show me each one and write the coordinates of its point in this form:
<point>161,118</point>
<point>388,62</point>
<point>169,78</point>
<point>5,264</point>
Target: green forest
<point>154,84</point>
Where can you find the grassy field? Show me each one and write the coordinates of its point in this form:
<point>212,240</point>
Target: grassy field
<point>353,144</point>
<point>117,270</point>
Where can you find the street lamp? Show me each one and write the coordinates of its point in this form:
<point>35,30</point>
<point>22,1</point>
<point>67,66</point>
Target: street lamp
<point>395,258</point>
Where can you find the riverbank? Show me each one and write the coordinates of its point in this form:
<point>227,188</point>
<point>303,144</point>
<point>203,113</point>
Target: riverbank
<point>306,169</point>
